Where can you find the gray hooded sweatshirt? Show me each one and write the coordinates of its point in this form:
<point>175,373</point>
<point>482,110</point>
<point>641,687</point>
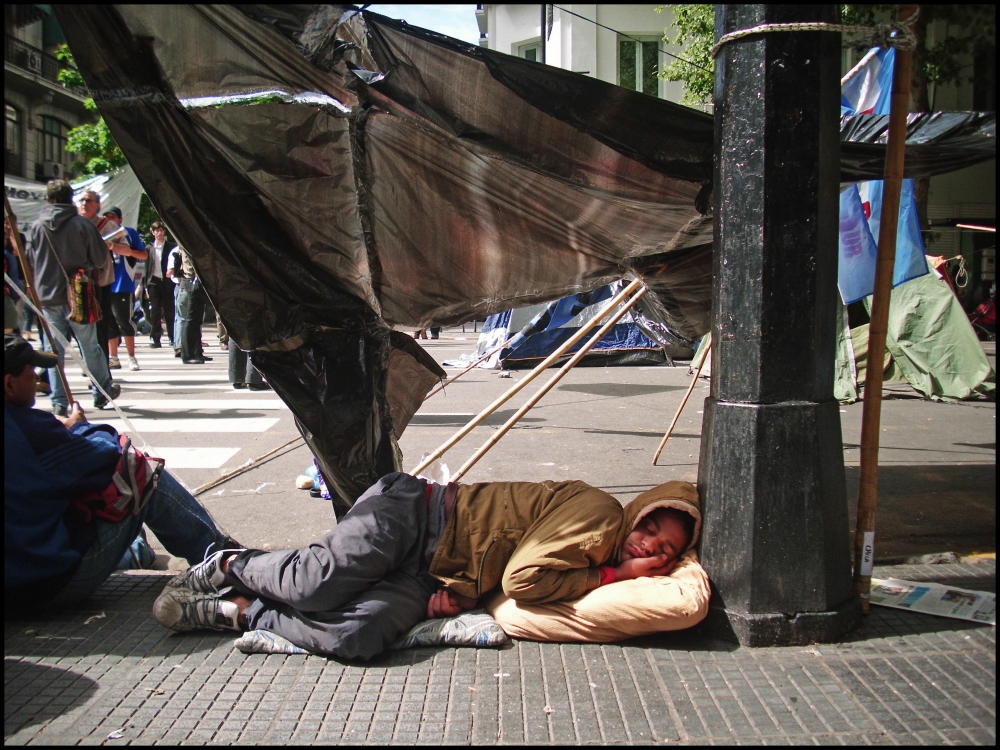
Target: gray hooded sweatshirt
<point>76,243</point>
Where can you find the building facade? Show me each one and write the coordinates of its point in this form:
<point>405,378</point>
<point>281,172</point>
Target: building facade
<point>39,110</point>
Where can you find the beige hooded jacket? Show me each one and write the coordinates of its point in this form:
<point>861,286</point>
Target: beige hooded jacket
<point>542,541</point>
<point>627,608</point>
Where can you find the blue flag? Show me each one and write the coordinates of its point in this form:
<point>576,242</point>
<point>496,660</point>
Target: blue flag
<point>868,92</point>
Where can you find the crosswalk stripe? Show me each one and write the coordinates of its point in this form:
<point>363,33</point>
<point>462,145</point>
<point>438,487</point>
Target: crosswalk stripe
<point>182,404</point>
<point>194,458</point>
<point>140,377</point>
<point>205,424</point>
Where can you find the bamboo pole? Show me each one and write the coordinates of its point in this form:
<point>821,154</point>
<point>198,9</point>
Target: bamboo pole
<point>253,463</point>
<point>544,365</point>
<point>684,401</point>
<point>29,282</point>
<point>482,359</point>
<point>864,536</point>
<point>495,438</point>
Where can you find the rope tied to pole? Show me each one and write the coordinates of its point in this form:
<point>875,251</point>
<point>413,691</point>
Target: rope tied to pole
<point>898,34</point>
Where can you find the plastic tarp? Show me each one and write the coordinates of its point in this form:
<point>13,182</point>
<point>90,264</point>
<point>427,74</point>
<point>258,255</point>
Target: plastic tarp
<point>119,188</point>
<point>333,173</point>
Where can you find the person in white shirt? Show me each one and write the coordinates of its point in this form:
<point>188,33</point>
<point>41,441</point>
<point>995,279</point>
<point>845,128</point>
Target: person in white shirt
<point>158,287</point>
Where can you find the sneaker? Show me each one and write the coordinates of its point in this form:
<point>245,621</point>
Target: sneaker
<point>206,576</point>
<point>182,609</point>
<point>114,391</point>
<point>114,363</point>
<point>224,346</point>
<point>239,386</point>
<point>43,388</point>
<point>133,365</point>
<point>177,352</point>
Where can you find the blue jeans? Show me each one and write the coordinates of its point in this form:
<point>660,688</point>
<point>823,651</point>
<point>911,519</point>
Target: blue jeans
<point>178,520</point>
<point>90,348</point>
<point>179,317</point>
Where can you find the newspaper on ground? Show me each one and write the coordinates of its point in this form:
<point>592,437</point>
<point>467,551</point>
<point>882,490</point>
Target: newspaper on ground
<point>935,599</point>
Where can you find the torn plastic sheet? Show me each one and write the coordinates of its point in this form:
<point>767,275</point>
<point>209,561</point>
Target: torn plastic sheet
<point>333,173</point>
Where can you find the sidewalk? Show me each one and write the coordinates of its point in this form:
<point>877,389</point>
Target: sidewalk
<point>108,668</point>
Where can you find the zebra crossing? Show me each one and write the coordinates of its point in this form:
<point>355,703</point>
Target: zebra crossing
<point>190,415</point>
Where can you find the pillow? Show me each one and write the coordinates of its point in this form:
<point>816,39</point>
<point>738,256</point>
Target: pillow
<point>619,610</point>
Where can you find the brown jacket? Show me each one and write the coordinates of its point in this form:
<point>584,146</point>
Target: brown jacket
<point>543,541</point>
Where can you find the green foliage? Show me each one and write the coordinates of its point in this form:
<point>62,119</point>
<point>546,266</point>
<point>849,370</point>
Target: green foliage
<point>147,215</point>
<point>92,143</point>
<point>695,25</point>
<point>969,31</point>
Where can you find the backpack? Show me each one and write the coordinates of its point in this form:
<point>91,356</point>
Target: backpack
<point>133,483</point>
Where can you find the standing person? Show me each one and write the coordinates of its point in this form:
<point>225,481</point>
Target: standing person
<point>122,293</point>
<point>88,203</point>
<point>242,373</point>
<point>159,287</point>
<point>192,300</point>
<point>61,242</point>
<point>175,273</point>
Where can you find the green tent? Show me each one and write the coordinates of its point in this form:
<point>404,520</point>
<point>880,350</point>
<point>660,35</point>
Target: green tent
<point>930,345</point>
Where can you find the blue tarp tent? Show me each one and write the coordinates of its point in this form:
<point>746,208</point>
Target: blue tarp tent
<point>541,329</point>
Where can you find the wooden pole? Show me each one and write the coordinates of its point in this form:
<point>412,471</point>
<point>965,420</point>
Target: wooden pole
<point>495,438</point>
<point>29,283</point>
<point>544,365</point>
<point>482,359</point>
<point>708,352</point>
<point>864,536</point>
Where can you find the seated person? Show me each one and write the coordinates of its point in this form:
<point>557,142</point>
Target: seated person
<point>410,549</point>
<point>53,554</point>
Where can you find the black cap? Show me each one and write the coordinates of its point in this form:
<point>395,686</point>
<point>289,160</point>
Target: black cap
<point>116,211</point>
<point>17,352</point>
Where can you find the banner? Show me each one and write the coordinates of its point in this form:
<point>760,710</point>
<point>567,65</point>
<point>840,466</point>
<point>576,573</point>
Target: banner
<point>868,92</point>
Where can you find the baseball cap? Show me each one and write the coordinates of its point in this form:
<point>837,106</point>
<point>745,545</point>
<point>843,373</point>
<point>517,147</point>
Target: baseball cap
<point>17,352</point>
<point>116,211</point>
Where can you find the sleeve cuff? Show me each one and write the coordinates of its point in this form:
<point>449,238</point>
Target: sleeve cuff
<point>607,574</point>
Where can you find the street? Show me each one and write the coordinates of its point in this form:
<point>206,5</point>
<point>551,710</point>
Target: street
<point>601,425</point>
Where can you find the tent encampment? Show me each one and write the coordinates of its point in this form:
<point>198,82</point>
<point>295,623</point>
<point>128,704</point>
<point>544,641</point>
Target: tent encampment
<point>541,329</point>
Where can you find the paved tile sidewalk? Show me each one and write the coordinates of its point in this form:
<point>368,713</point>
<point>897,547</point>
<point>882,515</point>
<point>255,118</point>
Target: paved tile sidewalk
<point>902,678</point>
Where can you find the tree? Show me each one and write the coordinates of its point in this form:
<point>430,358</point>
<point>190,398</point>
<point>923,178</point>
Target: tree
<point>93,143</point>
<point>695,26</point>
<point>963,52</point>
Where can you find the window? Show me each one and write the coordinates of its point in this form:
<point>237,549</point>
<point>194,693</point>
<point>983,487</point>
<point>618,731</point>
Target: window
<point>12,162</point>
<point>531,51</point>
<point>638,64</point>
<point>53,139</point>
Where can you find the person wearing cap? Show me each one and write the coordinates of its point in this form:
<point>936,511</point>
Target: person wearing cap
<point>52,556</point>
<point>60,242</point>
<point>122,293</point>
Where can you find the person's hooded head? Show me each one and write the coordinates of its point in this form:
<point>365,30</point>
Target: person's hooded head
<point>665,520</point>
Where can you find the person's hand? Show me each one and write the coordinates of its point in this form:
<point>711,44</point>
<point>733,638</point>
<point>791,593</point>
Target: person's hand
<point>639,567</point>
<point>76,416</point>
<point>446,604</point>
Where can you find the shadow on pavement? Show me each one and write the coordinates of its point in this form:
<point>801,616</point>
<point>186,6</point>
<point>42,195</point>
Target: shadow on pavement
<point>37,693</point>
<point>619,390</point>
<point>931,508</point>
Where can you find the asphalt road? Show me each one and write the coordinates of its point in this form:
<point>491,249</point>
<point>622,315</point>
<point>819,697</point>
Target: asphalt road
<point>601,425</point>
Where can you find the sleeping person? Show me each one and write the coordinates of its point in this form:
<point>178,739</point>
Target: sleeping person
<point>410,549</point>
